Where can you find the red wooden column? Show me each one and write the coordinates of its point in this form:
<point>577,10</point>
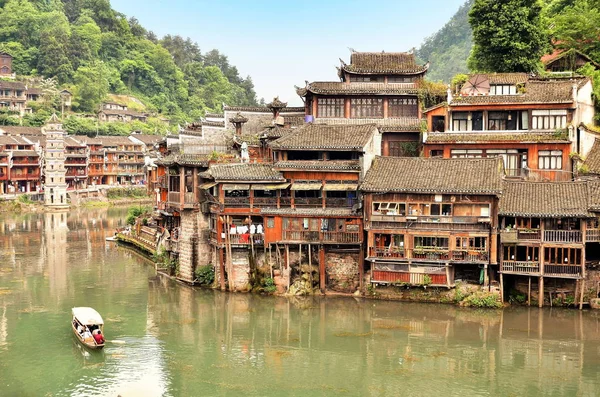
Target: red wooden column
<point>222,268</point>
<point>361,267</point>
<point>181,187</point>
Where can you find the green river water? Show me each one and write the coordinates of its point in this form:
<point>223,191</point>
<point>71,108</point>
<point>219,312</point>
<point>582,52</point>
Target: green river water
<point>172,340</point>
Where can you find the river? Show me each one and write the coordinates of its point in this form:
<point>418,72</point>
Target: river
<point>172,340</point>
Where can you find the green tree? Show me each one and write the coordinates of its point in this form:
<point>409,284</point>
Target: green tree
<point>577,26</point>
<point>92,84</point>
<point>508,36</point>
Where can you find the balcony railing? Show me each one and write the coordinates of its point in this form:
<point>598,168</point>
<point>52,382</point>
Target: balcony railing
<point>339,202</point>
<point>237,201</point>
<point>175,199</point>
<point>325,237</point>
<point>563,236</point>
<point>470,256</point>
<point>562,270</point>
<point>260,202</point>
<point>387,252</point>
<point>430,253</point>
<point>592,235</point>
<point>245,239</point>
<point>25,176</point>
<point>308,202</point>
<point>553,236</point>
<point>520,267</point>
<point>428,275</point>
<point>430,219</point>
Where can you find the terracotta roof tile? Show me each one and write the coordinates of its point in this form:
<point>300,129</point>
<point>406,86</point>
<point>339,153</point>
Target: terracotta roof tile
<point>308,211</point>
<point>383,63</point>
<point>594,195</point>
<point>521,137</point>
<point>544,199</point>
<point>336,87</point>
<point>262,109</point>
<point>422,175</point>
<point>18,130</point>
<point>12,85</point>
<point>593,158</point>
<point>244,172</point>
<point>536,91</point>
<point>326,136</point>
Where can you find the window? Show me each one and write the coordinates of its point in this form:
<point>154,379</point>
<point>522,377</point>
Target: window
<point>403,149</point>
<point>366,79</point>
<point>399,79</point>
<point>402,107</point>
<point>389,209</point>
<point>330,107</point>
<point>364,108</point>
<point>471,243</point>
<point>430,242</point>
<point>502,121</point>
<point>466,153</point>
<point>460,121</point>
<point>503,89</point>
<point>550,159</point>
<point>436,153</point>
<point>548,119</point>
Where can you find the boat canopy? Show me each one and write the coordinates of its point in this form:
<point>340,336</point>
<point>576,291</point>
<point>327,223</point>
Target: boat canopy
<point>87,316</point>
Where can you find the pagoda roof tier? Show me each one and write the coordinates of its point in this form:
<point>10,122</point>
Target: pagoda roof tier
<point>476,137</point>
<point>326,137</point>
<point>341,88</point>
<point>403,124</point>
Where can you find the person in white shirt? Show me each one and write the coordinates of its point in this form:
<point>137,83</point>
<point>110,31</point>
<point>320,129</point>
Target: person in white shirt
<point>259,229</point>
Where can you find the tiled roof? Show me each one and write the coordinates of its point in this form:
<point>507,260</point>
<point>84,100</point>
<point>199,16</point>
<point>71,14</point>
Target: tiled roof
<point>351,165</point>
<point>214,115</point>
<point>404,124</point>
<point>18,130</point>
<point>592,162</point>
<point>12,85</point>
<point>422,175</point>
<point>337,87</point>
<point>324,136</point>
<point>116,141</point>
<point>34,91</point>
<point>535,91</point>
<point>308,211</point>
<point>25,153</point>
<point>275,132</point>
<point>238,118</point>
<point>218,124</point>
<point>475,137</point>
<point>13,140</point>
<point>71,141</point>
<point>294,120</point>
<point>244,172</point>
<point>502,78</point>
<point>594,195</point>
<point>276,103</point>
<point>262,109</point>
<point>147,138</point>
<point>544,199</point>
<point>561,53</point>
<point>185,159</point>
<point>383,63</point>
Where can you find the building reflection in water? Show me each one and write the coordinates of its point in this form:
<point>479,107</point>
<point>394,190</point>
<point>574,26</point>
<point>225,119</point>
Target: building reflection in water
<point>373,347</point>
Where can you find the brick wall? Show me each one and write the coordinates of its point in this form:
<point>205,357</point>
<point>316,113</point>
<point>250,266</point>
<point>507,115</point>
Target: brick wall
<point>194,249</point>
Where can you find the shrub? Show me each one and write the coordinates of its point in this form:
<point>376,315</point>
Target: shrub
<point>269,285</point>
<point>483,300</point>
<point>24,198</point>
<point>205,275</point>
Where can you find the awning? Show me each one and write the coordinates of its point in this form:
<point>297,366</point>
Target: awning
<point>208,185</point>
<point>233,186</point>
<point>270,187</point>
<point>87,316</point>
<point>307,186</point>
<point>341,187</point>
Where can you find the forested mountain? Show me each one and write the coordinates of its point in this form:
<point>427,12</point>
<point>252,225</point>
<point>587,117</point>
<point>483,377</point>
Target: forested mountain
<point>449,48</point>
<point>94,50</point>
<point>566,23</point>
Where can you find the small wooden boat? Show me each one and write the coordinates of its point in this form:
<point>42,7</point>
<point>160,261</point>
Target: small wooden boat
<point>87,321</point>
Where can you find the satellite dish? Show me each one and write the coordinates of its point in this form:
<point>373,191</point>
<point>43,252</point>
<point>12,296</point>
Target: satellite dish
<point>476,85</point>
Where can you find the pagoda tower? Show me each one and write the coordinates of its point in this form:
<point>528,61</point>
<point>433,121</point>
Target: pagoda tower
<point>55,187</point>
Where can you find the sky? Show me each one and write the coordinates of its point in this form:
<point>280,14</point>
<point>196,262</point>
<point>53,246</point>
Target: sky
<point>285,43</point>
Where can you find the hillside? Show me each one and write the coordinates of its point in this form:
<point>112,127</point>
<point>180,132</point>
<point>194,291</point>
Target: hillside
<point>448,48</point>
<point>93,50</point>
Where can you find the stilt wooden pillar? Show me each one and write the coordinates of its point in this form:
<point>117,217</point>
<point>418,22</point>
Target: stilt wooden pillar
<point>541,292</point>
<point>361,268</point>
<point>529,292</point>
<point>322,268</point>
<point>502,287</point>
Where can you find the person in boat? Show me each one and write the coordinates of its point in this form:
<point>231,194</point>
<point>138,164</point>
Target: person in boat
<point>98,336</point>
<point>86,334</point>
<point>80,329</point>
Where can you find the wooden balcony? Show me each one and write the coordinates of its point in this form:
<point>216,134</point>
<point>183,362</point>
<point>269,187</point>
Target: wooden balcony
<point>189,199</point>
<point>245,239</point>
<point>563,236</point>
<point>21,161</point>
<point>311,236</point>
<point>25,176</point>
<point>237,202</point>
<point>562,271</point>
<point>536,235</point>
<point>387,253</point>
<point>338,202</point>
<point>592,236</point>
<point>431,253</point>
<point>430,219</point>
<point>533,268</point>
<point>435,276</point>
<point>308,202</point>
<point>520,267</point>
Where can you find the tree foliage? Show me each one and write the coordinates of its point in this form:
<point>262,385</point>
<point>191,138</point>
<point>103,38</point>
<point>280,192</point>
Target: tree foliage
<point>508,36</point>
<point>94,50</point>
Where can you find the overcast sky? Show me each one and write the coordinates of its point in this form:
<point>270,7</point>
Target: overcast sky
<point>283,43</point>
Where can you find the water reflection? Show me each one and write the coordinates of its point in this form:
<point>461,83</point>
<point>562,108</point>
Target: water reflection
<point>169,339</point>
